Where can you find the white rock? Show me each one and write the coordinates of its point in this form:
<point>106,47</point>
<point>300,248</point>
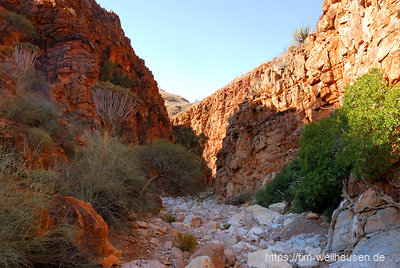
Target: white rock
<point>266,258</point>
<point>201,262</point>
<point>243,247</point>
<point>278,207</point>
<point>241,219</point>
<point>261,215</point>
<point>256,231</point>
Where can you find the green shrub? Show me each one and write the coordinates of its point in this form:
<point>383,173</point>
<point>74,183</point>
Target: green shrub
<point>242,198</point>
<point>185,242</point>
<point>282,187</point>
<point>186,137</point>
<point>172,168</point>
<point>107,177</point>
<point>19,22</point>
<point>111,73</point>
<point>372,110</point>
<point>24,241</point>
<point>169,218</point>
<point>300,35</point>
<point>38,139</point>
<point>322,166</point>
<point>226,226</point>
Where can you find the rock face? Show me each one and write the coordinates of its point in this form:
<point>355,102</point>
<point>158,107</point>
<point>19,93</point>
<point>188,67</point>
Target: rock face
<point>211,115</point>
<point>174,103</point>
<point>303,85</point>
<point>370,208</point>
<point>92,235</point>
<point>77,37</point>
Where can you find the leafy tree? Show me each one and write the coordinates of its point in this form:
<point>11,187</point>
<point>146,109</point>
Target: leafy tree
<point>18,22</point>
<point>282,187</point>
<point>110,73</point>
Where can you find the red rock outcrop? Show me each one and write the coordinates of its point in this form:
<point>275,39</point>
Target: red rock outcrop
<point>77,37</point>
<point>303,85</point>
<point>211,115</point>
<point>92,235</point>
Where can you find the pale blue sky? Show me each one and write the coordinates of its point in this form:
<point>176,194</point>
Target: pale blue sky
<point>195,47</point>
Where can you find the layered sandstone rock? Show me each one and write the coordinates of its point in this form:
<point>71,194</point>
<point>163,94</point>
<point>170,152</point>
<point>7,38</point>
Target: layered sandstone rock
<point>303,85</point>
<point>211,115</point>
<point>77,37</point>
<point>368,209</point>
<point>92,230</point>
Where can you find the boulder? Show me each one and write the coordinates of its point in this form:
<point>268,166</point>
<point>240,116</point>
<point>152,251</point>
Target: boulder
<point>382,220</point>
<point>261,215</point>
<point>278,207</point>
<point>342,237</point>
<point>193,221</point>
<point>312,216</point>
<point>266,258</point>
<point>214,250</point>
<point>92,236</point>
<point>177,258</point>
<point>383,249</point>
<point>212,226</point>
<point>241,219</point>
<point>201,262</point>
<point>230,258</point>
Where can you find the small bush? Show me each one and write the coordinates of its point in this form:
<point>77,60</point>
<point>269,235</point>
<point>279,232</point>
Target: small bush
<point>242,198</point>
<point>169,218</point>
<point>192,142</point>
<point>38,139</point>
<point>20,22</point>
<point>107,177</point>
<point>24,241</point>
<point>173,169</point>
<point>185,242</point>
<point>36,112</point>
<point>282,187</point>
<point>111,73</point>
<point>226,226</point>
<point>300,35</point>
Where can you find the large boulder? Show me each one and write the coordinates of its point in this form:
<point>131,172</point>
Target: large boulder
<point>278,207</point>
<point>201,262</point>
<point>382,249</point>
<point>261,215</point>
<point>216,251</point>
<point>266,258</point>
<point>92,235</point>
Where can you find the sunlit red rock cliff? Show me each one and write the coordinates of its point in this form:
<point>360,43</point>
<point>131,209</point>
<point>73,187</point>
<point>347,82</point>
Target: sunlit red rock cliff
<point>77,37</point>
<point>254,123</point>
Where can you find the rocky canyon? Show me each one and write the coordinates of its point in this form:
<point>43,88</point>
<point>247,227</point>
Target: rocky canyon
<point>254,123</point>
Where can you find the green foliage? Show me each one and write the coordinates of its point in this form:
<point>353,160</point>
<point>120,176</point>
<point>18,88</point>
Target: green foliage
<point>186,137</point>
<point>361,137</point>
<point>39,139</point>
<point>24,240</point>
<point>107,177</point>
<point>169,218</point>
<point>282,187</point>
<point>111,73</point>
<point>322,166</point>
<point>372,110</point>
<point>300,35</point>
<point>20,22</point>
<point>176,169</point>
<point>185,242</point>
<point>226,226</point>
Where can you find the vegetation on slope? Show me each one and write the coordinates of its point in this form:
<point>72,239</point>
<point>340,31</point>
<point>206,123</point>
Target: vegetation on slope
<point>361,137</point>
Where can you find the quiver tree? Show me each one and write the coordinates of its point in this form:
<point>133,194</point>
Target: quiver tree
<point>113,104</point>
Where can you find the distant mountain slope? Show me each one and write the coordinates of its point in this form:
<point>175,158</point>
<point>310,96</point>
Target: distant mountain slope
<point>174,103</point>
